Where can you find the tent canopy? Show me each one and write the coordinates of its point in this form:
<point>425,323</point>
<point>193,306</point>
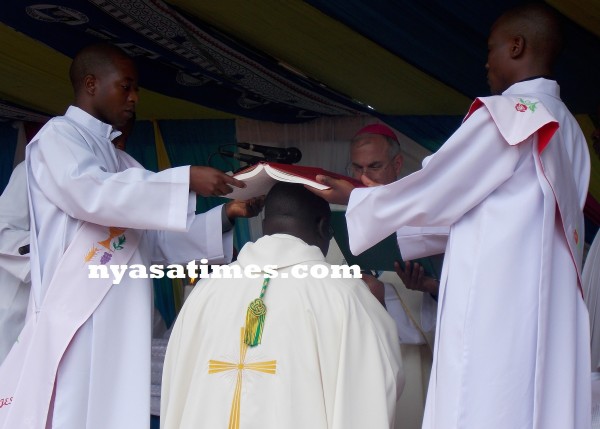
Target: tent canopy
<point>283,61</point>
<point>415,65</point>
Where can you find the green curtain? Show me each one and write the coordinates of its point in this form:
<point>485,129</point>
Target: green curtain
<point>188,142</point>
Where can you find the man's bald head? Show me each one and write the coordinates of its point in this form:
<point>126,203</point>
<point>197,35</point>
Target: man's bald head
<point>292,209</point>
<point>96,59</point>
<point>524,42</point>
<point>541,27</point>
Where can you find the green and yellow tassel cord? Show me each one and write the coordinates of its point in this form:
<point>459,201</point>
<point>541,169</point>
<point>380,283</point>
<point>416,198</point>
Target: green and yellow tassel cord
<point>255,318</point>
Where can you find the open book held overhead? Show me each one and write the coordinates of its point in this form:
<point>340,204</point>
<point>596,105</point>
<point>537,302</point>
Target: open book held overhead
<point>260,177</point>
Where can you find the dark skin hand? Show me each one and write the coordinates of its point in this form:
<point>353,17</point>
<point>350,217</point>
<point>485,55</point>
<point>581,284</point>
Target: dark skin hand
<point>376,287</point>
<point>414,278</point>
<point>248,208</point>
<point>339,192</point>
<point>412,275</point>
<point>210,182</point>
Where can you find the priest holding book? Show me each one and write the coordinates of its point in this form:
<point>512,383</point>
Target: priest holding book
<point>512,339</point>
<point>83,357</point>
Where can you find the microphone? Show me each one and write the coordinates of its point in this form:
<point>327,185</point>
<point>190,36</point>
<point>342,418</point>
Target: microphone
<point>284,155</point>
<point>24,250</point>
<point>249,159</point>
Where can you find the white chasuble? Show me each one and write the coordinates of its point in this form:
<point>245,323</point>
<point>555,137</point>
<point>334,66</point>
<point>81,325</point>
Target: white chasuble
<point>329,356</point>
<point>512,340</point>
<point>414,313</point>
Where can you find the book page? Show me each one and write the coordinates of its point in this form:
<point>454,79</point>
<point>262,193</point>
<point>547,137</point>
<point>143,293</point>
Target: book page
<point>292,178</point>
<point>260,178</point>
<point>249,172</point>
<point>259,185</point>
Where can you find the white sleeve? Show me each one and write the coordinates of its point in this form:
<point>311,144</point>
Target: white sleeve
<point>408,333</point>
<point>204,239</point>
<point>463,172</point>
<point>418,242</point>
<point>74,179</point>
<point>14,225</point>
<point>428,313</point>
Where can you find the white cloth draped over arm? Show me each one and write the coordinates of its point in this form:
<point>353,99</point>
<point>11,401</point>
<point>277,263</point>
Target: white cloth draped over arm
<point>14,268</point>
<point>408,333</point>
<point>428,313</point>
<point>419,242</point>
<point>14,225</point>
<point>466,169</point>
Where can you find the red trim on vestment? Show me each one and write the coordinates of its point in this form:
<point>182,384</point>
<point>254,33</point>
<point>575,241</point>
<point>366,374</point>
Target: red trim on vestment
<point>579,281</point>
<point>545,134</point>
<point>474,106</point>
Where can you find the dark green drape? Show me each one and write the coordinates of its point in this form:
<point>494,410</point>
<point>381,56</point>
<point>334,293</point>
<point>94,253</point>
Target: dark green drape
<point>187,142</point>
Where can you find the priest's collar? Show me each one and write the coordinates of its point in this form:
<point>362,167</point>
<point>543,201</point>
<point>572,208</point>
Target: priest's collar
<point>545,76</point>
<point>282,250</point>
<point>96,126</point>
<point>533,85</point>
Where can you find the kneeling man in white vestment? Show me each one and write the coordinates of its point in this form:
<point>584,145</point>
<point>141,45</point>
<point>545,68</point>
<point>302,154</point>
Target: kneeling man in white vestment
<point>324,355</point>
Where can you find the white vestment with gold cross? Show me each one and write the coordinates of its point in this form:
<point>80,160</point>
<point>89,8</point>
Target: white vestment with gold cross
<point>329,356</point>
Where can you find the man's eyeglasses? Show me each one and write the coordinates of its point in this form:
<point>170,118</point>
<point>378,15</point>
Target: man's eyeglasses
<point>357,170</point>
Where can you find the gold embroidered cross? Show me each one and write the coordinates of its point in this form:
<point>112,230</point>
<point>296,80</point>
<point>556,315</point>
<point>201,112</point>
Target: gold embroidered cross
<point>214,366</point>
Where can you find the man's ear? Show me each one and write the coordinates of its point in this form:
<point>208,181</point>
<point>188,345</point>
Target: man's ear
<point>398,161</point>
<point>89,84</point>
<point>323,228</point>
<point>518,46</point>
<point>324,234</point>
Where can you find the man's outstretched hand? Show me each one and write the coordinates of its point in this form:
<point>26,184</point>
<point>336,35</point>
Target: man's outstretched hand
<point>210,182</point>
<point>339,192</point>
<point>376,287</point>
<point>414,278</point>
<point>248,208</point>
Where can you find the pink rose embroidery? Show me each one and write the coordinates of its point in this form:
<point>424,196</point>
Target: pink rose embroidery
<point>520,107</point>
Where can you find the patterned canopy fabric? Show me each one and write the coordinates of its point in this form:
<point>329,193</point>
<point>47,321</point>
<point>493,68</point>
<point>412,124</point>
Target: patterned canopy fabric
<point>284,61</point>
<point>415,65</point>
